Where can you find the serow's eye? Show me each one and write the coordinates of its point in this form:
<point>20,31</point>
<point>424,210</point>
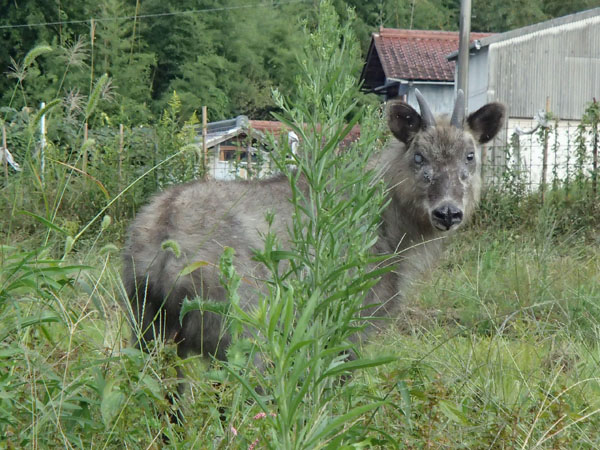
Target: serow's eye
<point>419,158</point>
<point>470,156</point>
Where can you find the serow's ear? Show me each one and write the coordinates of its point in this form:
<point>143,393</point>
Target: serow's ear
<point>404,121</point>
<point>487,121</point>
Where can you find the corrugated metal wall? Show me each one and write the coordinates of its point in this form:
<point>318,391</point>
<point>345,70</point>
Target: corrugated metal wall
<point>562,63</point>
<point>440,97</point>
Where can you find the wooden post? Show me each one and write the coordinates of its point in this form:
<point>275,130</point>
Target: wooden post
<point>204,146</point>
<point>42,143</point>
<point>545,155</point>
<point>462,73</point>
<point>4,155</point>
<point>85,156</point>
<point>121,146</point>
<point>249,159</point>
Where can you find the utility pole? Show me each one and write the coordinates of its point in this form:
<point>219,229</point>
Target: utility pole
<point>462,76</point>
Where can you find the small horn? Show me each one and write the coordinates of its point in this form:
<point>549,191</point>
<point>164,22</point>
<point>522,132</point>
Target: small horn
<point>427,116</point>
<point>458,115</point>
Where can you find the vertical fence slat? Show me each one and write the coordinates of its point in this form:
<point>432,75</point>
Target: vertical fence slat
<point>545,135</point>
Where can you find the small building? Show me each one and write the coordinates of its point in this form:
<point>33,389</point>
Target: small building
<point>398,61</point>
<point>239,148</point>
<point>557,61</point>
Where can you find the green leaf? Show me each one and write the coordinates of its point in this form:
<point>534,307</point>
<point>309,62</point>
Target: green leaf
<point>307,313</point>
<point>45,222</point>
<point>454,412</point>
<point>251,391</point>
<point>275,309</point>
<point>112,403</point>
<point>28,322</point>
<point>358,364</point>
<point>192,267</point>
<point>334,425</point>
<point>406,403</point>
<point>153,386</point>
<point>199,304</point>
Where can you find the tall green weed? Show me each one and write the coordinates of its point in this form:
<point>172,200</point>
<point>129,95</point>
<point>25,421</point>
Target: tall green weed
<point>302,332</point>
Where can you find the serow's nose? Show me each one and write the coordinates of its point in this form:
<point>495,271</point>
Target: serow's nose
<point>445,216</point>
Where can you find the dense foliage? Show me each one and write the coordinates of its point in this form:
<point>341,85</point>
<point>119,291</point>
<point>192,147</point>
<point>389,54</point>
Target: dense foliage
<point>227,55</point>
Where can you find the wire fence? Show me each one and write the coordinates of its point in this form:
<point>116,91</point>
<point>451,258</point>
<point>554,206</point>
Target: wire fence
<point>543,154</point>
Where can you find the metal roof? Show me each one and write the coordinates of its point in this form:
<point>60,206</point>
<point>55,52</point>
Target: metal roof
<point>523,32</point>
<point>221,131</point>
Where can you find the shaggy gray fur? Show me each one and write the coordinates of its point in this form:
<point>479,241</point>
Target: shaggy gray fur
<point>432,172</point>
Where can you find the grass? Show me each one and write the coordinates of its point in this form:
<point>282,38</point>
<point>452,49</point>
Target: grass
<point>498,348</point>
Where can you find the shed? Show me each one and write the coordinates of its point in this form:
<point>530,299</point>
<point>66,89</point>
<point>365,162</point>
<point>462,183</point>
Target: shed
<point>239,147</point>
<point>398,61</point>
<point>557,61</point>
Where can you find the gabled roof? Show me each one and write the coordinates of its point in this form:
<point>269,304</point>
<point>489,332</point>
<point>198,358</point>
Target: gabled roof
<point>549,26</point>
<point>411,55</point>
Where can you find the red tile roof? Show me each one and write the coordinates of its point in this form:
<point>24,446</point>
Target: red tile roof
<point>268,126</point>
<point>418,54</point>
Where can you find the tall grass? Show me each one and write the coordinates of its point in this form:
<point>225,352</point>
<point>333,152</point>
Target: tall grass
<point>500,349</point>
<point>496,349</point>
<point>301,332</point>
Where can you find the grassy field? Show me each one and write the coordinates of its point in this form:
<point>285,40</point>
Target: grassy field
<point>498,348</point>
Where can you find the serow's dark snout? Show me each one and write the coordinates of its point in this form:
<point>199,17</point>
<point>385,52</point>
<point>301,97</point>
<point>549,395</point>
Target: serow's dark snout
<point>446,216</point>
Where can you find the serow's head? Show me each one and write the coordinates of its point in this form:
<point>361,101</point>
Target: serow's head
<point>440,161</point>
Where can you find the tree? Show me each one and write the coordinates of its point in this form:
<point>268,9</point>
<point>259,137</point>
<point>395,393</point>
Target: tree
<point>557,8</point>
<point>119,52</point>
<point>238,55</point>
<point>506,15</point>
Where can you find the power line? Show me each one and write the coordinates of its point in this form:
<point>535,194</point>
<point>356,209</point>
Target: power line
<point>146,16</point>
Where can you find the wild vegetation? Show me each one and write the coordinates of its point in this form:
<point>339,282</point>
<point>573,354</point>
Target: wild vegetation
<point>227,55</point>
<point>496,349</point>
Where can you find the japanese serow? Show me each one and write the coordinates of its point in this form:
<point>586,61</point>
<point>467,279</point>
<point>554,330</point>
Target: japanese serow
<point>432,172</point>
